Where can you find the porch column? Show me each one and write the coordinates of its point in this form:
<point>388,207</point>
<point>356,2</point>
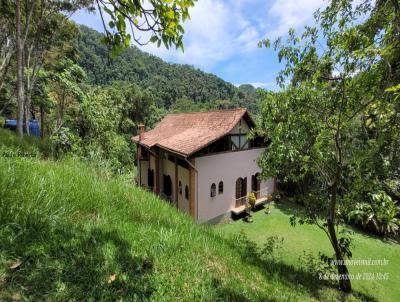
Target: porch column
<point>139,164</point>
<point>176,182</point>
<point>192,189</point>
<point>157,174</point>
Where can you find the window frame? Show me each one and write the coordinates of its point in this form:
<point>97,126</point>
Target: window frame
<point>220,187</point>
<point>213,190</point>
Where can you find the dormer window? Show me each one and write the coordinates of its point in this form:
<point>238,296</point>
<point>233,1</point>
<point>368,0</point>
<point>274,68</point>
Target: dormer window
<point>239,141</point>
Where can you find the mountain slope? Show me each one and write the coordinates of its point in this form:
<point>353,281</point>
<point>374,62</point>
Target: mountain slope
<point>168,82</point>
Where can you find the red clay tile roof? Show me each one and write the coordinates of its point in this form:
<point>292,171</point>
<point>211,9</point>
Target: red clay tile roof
<point>186,133</point>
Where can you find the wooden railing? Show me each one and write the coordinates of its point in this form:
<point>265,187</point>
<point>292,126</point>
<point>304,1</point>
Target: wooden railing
<point>242,200</point>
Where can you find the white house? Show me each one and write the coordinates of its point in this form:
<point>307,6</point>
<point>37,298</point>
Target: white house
<point>202,162</point>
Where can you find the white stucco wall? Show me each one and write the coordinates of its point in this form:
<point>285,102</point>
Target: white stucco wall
<point>228,167</point>
<point>241,127</point>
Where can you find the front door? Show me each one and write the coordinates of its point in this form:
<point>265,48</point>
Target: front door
<point>241,191</point>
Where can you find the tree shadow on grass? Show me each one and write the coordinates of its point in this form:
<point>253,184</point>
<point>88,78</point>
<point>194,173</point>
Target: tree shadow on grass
<point>229,294</point>
<point>71,263</point>
<point>289,275</point>
<point>290,208</point>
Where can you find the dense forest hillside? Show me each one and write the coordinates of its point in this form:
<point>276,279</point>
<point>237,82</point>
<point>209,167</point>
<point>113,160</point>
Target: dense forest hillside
<point>167,82</point>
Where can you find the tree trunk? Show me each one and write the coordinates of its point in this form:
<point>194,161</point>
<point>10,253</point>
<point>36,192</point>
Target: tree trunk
<point>28,91</point>
<point>4,67</point>
<point>41,121</point>
<point>27,111</point>
<point>344,281</point>
<point>20,72</point>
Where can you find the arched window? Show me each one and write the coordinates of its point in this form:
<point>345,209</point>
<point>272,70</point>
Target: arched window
<point>221,187</point>
<point>241,187</point>
<point>213,190</point>
<point>180,187</point>
<point>241,191</point>
<point>187,192</point>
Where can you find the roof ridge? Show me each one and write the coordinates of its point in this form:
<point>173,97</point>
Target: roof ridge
<point>208,111</point>
<point>188,132</point>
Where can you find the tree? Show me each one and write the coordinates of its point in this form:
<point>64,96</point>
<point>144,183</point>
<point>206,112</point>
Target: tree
<point>66,90</point>
<point>36,30</point>
<point>30,16</point>
<point>335,75</point>
<point>7,43</point>
<point>20,44</point>
<point>160,18</point>
<point>49,41</point>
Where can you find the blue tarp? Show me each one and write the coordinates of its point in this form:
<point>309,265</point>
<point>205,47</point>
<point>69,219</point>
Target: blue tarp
<point>34,128</point>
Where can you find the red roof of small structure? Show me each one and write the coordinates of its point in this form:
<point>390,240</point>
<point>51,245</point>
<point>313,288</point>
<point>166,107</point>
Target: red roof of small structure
<point>186,133</point>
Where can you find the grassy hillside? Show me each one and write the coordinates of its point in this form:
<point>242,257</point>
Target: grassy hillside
<point>70,232</point>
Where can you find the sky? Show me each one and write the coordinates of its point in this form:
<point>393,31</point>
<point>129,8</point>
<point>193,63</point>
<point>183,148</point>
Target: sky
<point>221,37</point>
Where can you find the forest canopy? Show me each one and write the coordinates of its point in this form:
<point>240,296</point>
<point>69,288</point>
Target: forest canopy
<point>168,82</point>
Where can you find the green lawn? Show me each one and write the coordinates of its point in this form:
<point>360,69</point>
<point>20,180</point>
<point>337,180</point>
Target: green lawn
<point>311,239</point>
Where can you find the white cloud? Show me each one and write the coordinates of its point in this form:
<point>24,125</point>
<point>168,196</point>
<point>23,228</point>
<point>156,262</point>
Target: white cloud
<point>229,30</point>
<point>258,84</point>
<point>216,31</point>
<point>290,13</point>
<point>263,85</point>
<point>219,30</point>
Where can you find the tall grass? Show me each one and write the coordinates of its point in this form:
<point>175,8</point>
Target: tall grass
<point>29,146</point>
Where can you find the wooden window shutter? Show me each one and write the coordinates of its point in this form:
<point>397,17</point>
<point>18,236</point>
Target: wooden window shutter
<point>244,187</point>
<point>253,183</point>
<point>238,188</point>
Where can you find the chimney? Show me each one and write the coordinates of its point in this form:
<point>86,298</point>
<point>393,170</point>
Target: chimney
<point>141,132</point>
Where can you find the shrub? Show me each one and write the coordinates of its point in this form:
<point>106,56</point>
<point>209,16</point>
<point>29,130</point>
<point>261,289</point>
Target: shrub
<point>251,197</point>
<point>12,145</point>
<point>271,248</point>
<point>320,265</point>
<point>64,140</point>
<point>379,214</point>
